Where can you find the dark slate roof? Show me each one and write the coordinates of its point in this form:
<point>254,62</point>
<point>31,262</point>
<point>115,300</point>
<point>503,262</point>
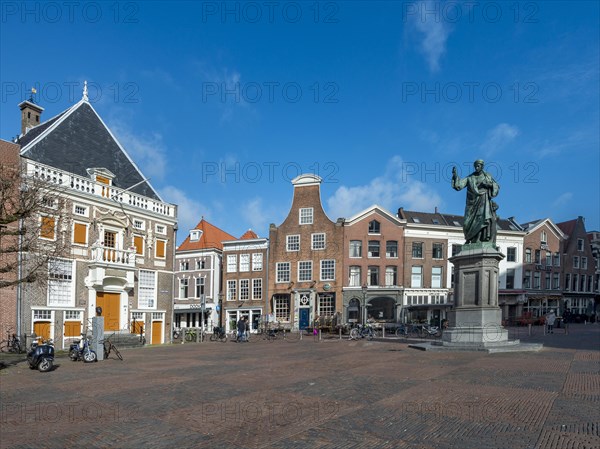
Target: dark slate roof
<point>38,130</point>
<point>76,140</point>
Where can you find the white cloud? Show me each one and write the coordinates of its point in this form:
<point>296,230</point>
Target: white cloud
<point>391,190</point>
<point>189,211</point>
<point>498,137</point>
<point>435,32</point>
<point>562,200</point>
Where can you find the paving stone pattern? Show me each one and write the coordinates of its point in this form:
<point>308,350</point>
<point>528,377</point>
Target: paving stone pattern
<point>307,394</point>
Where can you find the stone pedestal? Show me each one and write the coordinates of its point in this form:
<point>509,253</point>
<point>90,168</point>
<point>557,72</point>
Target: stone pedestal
<point>476,320</point>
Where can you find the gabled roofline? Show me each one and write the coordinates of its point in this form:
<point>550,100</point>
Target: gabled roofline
<point>371,209</point>
<point>67,113</point>
<point>552,226</point>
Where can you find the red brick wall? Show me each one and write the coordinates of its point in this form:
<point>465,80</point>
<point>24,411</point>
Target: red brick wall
<point>9,160</point>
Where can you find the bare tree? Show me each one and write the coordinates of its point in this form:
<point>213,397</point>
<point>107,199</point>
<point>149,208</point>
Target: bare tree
<point>30,224</point>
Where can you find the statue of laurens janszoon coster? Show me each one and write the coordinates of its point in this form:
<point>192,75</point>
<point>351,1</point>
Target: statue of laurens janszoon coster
<point>480,218</point>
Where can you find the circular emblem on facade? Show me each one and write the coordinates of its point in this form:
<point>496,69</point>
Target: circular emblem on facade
<point>327,287</point>
<point>304,300</point>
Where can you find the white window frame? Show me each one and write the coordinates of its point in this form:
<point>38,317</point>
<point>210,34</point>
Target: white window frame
<point>305,271</point>
<point>391,275</point>
<point>244,289</point>
<point>61,283</point>
<point>84,213</point>
<point>292,243</point>
<point>282,272</point>
<point>390,254</point>
<point>231,290</point>
<point>232,263</point>
<point>416,276</point>
<point>184,288</point>
<point>354,273</point>
<point>306,215</point>
<point>139,224</point>
<point>256,289</point>
<point>200,286</point>
<point>257,261</point>
<point>317,243</point>
<point>244,263</point>
<point>147,293</point>
<point>353,245</point>
<point>327,266</point>
<point>436,278</point>
<point>160,229</point>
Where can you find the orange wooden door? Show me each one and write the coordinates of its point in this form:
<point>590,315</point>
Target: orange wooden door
<point>110,303</point>
<point>72,329</point>
<point>156,332</point>
<point>42,330</point>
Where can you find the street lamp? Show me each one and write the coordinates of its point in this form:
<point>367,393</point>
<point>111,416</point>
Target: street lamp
<point>364,289</point>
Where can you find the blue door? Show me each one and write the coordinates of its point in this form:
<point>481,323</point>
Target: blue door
<point>304,317</point>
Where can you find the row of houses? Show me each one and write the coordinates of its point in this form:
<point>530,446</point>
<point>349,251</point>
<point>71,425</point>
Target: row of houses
<point>100,239</point>
<point>374,265</point>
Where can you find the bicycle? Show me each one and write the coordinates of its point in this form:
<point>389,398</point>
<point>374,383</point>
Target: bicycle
<point>218,334</point>
<point>12,344</point>
<point>108,347</point>
<point>409,330</point>
<point>192,334</point>
<point>361,331</point>
<point>237,339</point>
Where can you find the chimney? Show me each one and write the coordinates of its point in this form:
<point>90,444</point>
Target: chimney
<point>436,210</point>
<point>30,115</point>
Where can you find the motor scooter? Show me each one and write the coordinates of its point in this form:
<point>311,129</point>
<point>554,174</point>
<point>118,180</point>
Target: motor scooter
<point>81,350</point>
<point>41,356</point>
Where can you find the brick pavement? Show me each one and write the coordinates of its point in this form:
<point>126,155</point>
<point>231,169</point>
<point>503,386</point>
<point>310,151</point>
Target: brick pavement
<point>307,394</point>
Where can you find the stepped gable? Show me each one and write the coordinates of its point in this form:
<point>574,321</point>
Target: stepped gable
<point>211,237</point>
<point>76,140</point>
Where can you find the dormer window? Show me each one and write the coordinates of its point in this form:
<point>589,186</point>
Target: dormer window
<point>374,227</point>
<point>195,235</point>
<point>101,175</point>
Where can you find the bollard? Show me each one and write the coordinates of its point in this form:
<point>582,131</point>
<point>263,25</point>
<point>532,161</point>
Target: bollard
<point>320,335</point>
<point>529,329</point>
<point>383,332</point>
<point>340,333</point>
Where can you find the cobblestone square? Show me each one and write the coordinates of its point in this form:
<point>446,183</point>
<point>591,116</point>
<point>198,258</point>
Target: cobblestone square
<point>309,394</point>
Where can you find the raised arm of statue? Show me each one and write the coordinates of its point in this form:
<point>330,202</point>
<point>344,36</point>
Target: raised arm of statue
<point>457,183</point>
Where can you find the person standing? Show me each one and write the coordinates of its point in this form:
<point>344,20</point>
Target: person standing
<point>241,329</point>
<point>550,319</point>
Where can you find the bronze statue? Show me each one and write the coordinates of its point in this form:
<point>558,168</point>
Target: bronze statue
<point>480,212</point>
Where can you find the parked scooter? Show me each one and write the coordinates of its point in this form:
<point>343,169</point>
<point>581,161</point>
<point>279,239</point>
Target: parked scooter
<point>41,357</point>
<point>81,350</point>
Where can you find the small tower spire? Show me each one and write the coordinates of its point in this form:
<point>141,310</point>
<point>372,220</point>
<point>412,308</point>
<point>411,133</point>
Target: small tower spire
<point>85,91</point>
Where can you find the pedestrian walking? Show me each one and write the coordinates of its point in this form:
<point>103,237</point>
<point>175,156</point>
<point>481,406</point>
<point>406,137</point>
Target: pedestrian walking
<point>246,328</point>
<point>241,329</point>
<point>550,319</point>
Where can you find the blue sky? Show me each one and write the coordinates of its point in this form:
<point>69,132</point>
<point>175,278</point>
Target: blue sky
<point>221,104</point>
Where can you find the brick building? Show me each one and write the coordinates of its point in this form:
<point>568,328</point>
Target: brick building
<point>542,267</point>
<point>9,242</point>
<point>373,266</point>
<point>579,270</point>
<point>305,276</point>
